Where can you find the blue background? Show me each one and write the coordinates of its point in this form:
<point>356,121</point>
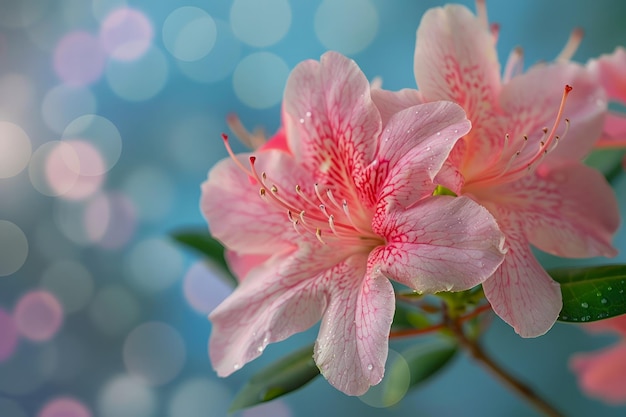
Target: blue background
<point>170,136</point>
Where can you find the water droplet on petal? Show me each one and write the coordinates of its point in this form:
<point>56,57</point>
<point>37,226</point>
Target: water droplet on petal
<point>584,305</point>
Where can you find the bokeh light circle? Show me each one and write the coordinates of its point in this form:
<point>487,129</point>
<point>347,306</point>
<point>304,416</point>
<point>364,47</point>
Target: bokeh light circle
<point>200,397</point>
<point>74,169</point>
<point>140,79</point>
<point>114,310</point>
<point>220,62</point>
<point>205,286</point>
<point>70,282</point>
<point>15,149</point>
<point>189,33</point>
<point>387,392</point>
<point>10,337</point>
<point>126,396</point>
<point>10,408</point>
<point>64,407</point>
<point>13,248</point>
<point>155,352</point>
<point>30,367</point>
<point>126,34</point>
<point>38,315</point>
<point>64,103</point>
<point>110,220</point>
<point>346,26</point>
<point>152,192</point>
<point>260,23</point>
<point>259,80</point>
<point>79,59</point>
<point>101,133</point>
<point>154,264</point>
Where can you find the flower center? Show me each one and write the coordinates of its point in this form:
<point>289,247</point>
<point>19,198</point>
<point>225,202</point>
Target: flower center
<point>516,159</point>
<point>314,211</point>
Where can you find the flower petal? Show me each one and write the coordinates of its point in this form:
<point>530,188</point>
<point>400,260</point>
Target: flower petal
<point>520,291</point>
<point>441,244</point>
<point>391,102</point>
<point>332,123</point>
<point>282,297</point>
<point>352,344</point>
<point>229,193</point>
<point>456,60</point>
<point>602,374</point>
<point>414,146</point>
<point>531,102</point>
<point>568,211</point>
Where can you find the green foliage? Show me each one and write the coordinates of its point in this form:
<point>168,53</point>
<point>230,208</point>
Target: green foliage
<point>202,242</point>
<point>280,378</point>
<point>424,359</point>
<point>591,293</point>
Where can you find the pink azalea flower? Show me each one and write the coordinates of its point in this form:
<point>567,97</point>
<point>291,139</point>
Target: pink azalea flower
<point>610,71</point>
<point>346,207</point>
<point>539,193</point>
<point>602,374</point>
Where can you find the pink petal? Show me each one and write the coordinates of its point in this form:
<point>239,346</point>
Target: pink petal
<point>280,298</point>
<point>254,226</point>
<point>568,211</point>
<point>240,264</point>
<point>441,244</point>
<point>413,149</point>
<point>610,70</point>
<point>531,102</point>
<point>520,291</point>
<point>456,60</point>
<point>352,344</point>
<point>332,123</point>
<point>391,102</point>
<point>603,374</point>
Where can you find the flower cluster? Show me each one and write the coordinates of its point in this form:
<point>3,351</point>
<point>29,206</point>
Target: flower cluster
<point>439,189</point>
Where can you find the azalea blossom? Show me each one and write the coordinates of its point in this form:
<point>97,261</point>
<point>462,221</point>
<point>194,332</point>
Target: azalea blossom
<point>540,193</point>
<point>316,226</point>
<point>610,72</point>
<point>602,374</point>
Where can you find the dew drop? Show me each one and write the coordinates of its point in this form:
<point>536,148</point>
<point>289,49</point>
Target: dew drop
<point>584,305</point>
<point>604,301</point>
<point>370,367</point>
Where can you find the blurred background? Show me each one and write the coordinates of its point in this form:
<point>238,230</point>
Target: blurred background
<point>110,117</point>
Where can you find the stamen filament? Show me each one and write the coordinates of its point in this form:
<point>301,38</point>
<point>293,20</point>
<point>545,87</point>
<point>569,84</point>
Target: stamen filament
<point>570,48</point>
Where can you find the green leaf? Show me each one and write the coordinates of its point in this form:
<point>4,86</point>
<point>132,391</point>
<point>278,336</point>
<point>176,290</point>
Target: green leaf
<point>424,360</point>
<point>202,242</point>
<point>591,293</point>
<point>280,378</point>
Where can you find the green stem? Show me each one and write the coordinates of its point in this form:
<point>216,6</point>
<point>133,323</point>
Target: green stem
<point>516,385</point>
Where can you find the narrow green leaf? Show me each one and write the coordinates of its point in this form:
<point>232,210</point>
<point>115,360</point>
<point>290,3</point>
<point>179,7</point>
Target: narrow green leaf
<point>424,360</point>
<point>591,293</point>
<point>280,378</point>
<point>202,242</point>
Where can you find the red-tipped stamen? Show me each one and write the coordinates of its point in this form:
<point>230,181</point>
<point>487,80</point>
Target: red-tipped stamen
<point>570,48</point>
<point>234,157</point>
<point>547,143</point>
